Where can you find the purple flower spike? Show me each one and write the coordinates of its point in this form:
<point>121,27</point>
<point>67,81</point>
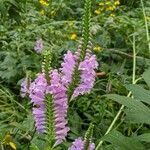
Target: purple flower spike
<point>78,144</point>
<point>87,69</point>
<point>68,68</point>
<point>37,95</point>
<point>39,116</point>
<point>24,88</point>
<point>58,91</point>
<point>38,46</point>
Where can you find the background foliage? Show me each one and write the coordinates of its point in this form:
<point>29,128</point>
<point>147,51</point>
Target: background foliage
<point>116,31</point>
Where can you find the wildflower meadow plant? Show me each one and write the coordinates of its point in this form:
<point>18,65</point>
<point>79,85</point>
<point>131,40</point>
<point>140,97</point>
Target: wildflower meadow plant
<point>53,89</point>
<point>38,46</point>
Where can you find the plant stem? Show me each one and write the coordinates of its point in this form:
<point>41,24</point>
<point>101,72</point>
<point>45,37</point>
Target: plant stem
<point>49,120</point>
<point>129,94</point>
<point>134,61</point>
<point>146,25</point>
<point>113,122</point>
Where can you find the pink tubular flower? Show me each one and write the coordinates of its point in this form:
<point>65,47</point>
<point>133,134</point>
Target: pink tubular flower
<point>86,68</point>
<point>78,144</point>
<point>58,91</point>
<point>38,46</point>
<point>37,95</point>
<point>24,91</point>
<point>87,76</point>
<point>68,68</point>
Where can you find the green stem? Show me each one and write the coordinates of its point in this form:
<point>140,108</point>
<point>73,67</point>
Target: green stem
<point>49,120</point>
<point>86,27</point>
<point>48,103</point>
<point>88,137</point>
<point>129,94</point>
<point>134,61</point>
<point>146,25</point>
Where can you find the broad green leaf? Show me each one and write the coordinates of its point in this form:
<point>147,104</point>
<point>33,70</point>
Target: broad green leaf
<point>144,137</point>
<point>146,77</point>
<point>122,142</point>
<point>136,111</point>
<point>139,93</point>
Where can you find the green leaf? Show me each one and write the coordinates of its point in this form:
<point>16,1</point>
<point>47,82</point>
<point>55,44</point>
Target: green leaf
<point>144,137</point>
<point>146,77</point>
<point>18,126</point>
<point>33,147</point>
<point>121,142</point>
<point>139,93</point>
<point>136,111</point>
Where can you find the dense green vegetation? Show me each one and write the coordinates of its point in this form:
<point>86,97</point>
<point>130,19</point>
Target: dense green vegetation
<point>118,105</point>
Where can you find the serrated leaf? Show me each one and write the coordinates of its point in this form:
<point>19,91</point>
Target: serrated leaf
<point>146,77</point>
<point>136,111</point>
<point>144,137</point>
<point>139,93</point>
<point>122,142</point>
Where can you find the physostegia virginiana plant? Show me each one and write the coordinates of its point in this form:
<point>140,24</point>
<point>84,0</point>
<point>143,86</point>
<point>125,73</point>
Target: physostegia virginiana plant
<point>53,89</point>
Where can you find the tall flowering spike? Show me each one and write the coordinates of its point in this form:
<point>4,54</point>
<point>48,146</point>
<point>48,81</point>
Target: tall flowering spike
<point>46,65</point>
<point>87,75</point>
<point>86,27</point>
<point>78,144</point>
<point>60,106</point>
<point>85,144</point>
<point>72,78</point>
<point>68,67</point>
<point>37,95</point>
<point>39,46</point>
<point>88,137</point>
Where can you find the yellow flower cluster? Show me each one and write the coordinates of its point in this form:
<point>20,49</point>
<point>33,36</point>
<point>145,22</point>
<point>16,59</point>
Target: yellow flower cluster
<point>42,12</point>
<point>107,6</point>
<point>97,48</point>
<point>44,2</point>
<point>73,36</point>
<point>8,141</point>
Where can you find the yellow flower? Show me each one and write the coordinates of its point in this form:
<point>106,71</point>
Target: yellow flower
<point>8,141</point>
<point>73,36</point>
<point>101,4</point>
<point>111,8</point>
<point>12,145</point>
<point>97,12</point>
<point>44,2</point>
<point>117,2</point>
<point>108,3</point>
<point>97,48</point>
<point>42,12</point>
<point>112,15</point>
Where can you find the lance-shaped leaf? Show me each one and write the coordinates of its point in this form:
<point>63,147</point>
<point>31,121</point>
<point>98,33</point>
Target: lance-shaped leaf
<point>122,142</point>
<point>136,110</point>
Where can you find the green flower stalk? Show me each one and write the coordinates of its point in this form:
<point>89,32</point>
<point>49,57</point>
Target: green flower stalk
<point>80,144</point>
<point>86,28</point>
<point>46,65</point>
<point>88,137</point>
